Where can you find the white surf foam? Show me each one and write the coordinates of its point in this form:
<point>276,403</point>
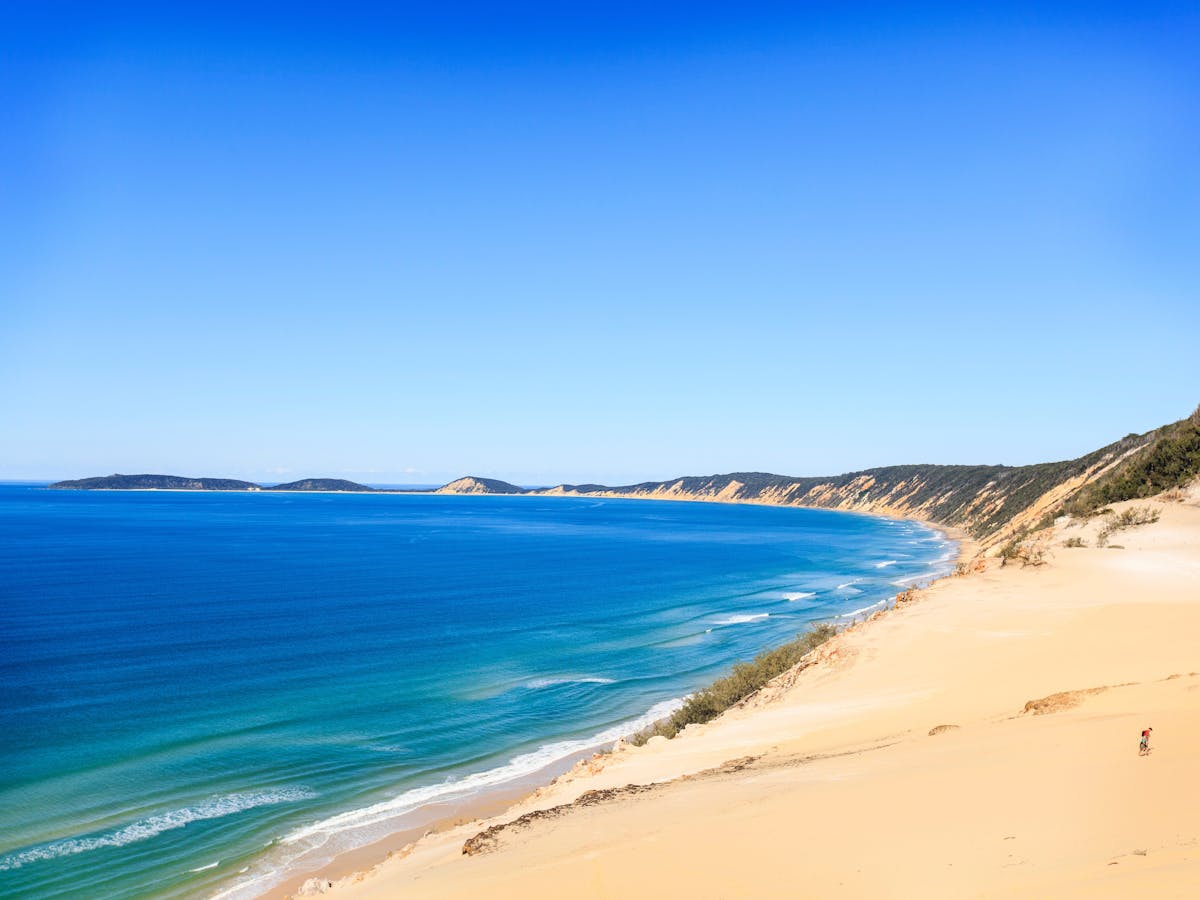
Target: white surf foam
<point>798,595</point>
<point>849,584</point>
<point>211,865</point>
<point>144,829</point>
<point>538,683</point>
<point>886,563</point>
<point>741,619</point>
<point>308,840</point>
<point>516,768</point>
<point>858,612</point>
<point>913,579</point>
<point>388,748</point>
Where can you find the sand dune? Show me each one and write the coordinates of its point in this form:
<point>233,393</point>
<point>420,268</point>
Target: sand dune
<point>979,742</point>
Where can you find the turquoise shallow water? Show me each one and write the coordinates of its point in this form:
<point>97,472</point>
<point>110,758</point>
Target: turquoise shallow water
<point>202,691</point>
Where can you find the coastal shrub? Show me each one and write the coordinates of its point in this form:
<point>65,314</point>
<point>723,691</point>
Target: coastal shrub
<point>1128,518</point>
<point>1034,555</point>
<point>744,680</point>
<point>1020,550</point>
<point>1010,551</point>
<point>1047,520</point>
<point>1135,515</point>
<point>1074,542</point>
<point>970,567</point>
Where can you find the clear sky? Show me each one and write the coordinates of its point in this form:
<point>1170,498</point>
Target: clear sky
<point>592,241</point>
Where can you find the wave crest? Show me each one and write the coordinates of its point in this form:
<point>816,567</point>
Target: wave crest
<point>315,835</point>
<point>742,618</point>
<point>538,683</point>
<point>144,829</point>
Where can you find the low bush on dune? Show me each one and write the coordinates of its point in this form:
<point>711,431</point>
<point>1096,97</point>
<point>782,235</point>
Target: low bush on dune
<point>1022,550</point>
<point>744,680</point>
<point>1129,518</point>
<point>1010,552</point>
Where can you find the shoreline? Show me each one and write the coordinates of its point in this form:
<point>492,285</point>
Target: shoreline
<point>500,799</point>
<point>1083,597</point>
<point>950,531</point>
<point>485,804</point>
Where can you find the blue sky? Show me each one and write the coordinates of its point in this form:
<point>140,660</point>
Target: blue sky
<point>592,242</point>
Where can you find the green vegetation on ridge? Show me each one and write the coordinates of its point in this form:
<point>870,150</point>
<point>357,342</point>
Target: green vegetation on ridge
<point>981,500</point>
<point>1170,459</point>
<point>744,680</point>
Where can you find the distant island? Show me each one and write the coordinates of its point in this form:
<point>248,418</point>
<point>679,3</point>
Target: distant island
<point>992,504</point>
<point>179,483</point>
<point>325,484</point>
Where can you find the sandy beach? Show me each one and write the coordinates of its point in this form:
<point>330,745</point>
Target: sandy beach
<point>981,740</point>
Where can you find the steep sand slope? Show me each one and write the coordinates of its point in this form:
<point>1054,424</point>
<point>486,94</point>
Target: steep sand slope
<point>831,785</point>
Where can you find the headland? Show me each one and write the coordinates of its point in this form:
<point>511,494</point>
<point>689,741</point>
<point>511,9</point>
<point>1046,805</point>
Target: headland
<point>979,738</point>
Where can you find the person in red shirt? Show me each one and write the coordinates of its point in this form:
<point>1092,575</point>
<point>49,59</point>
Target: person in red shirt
<point>1144,746</point>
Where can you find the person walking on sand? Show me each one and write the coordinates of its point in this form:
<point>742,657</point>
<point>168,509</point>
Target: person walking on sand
<point>1144,746</point>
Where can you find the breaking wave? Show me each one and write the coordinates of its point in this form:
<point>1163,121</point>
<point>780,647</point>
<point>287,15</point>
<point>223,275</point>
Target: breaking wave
<point>310,838</point>
<point>144,829</point>
<point>741,618</point>
<point>538,683</point>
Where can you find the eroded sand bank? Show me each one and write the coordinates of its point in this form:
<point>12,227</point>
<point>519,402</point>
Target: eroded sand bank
<point>830,784</point>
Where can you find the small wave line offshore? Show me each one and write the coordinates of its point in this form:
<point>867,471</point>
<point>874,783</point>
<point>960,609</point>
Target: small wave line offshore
<point>152,826</point>
<point>358,827</point>
<point>536,684</point>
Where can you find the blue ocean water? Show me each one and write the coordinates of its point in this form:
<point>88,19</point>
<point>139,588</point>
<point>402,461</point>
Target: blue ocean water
<point>203,691</point>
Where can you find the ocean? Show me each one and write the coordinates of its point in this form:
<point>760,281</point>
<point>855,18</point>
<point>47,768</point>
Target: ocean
<point>203,692</point>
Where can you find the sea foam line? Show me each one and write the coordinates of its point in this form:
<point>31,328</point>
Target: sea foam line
<point>517,767</point>
<point>913,579</point>
<point>538,683</point>
<point>144,829</point>
<point>858,612</point>
<point>310,838</point>
<point>798,595</point>
<point>741,618</point>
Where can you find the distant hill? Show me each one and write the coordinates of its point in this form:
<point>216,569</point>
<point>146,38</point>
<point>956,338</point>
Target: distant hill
<point>1169,459</point>
<point>322,484</point>
<point>990,503</point>
<point>155,483</point>
<point>473,484</point>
